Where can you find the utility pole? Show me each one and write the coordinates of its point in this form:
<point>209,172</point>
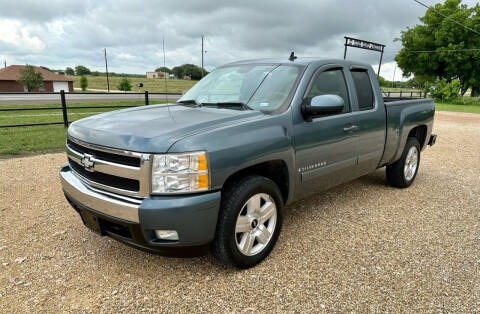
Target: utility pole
<point>394,70</point>
<point>203,51</point>
<point>5,63</point>
<point>106,69</point>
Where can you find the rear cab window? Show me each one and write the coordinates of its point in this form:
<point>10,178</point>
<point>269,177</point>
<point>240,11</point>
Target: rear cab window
<point>364,90</point>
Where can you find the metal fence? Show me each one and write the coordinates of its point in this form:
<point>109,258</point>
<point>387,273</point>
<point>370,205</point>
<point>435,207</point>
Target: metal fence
<point>64,108</point>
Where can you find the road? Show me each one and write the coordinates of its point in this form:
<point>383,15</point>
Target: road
<point>19,99</point>
<point>360,247</point>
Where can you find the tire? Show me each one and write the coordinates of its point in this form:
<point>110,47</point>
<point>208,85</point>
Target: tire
<point>397,173</point>
<point>241,218</point>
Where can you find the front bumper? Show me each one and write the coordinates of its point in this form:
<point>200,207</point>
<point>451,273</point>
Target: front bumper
<point>134,221</point>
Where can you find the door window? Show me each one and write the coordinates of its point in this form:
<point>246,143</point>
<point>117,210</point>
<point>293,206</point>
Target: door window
<point>331,82</point>
<point>364,89</point>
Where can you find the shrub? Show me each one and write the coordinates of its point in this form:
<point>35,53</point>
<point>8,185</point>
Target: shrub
<point>124,85</point>
<point>83,83</point>
<point>441,90</point>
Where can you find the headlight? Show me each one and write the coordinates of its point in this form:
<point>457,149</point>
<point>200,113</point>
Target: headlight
<point>180,173</point>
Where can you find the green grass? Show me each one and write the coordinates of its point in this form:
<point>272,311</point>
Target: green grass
<point>457,108</point>
<point>152,85</point>
<point>462,104</point>
<point>26,140</point>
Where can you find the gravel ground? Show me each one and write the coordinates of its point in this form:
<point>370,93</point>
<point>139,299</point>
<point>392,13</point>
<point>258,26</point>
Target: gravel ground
<point>361,246</point>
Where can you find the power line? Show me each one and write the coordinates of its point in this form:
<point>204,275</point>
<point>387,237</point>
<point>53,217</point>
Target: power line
<point>438,51</point>
<point>447,17</point>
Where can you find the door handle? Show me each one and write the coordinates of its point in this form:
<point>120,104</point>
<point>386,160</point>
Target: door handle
<point>351,128</point>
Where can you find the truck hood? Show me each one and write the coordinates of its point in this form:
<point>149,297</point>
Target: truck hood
<point>155,128</point>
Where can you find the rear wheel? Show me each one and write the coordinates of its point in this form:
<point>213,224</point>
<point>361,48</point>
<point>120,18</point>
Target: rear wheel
<point>402,173</point>
<point>249,222</point>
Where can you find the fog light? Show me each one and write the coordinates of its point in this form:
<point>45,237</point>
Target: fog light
<point>171,235</point>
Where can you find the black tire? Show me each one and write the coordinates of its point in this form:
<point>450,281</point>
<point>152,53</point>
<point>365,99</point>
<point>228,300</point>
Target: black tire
<point>395,172</point>
<point>234,198</point>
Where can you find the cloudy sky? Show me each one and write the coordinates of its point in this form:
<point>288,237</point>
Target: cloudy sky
<point>61,33</point>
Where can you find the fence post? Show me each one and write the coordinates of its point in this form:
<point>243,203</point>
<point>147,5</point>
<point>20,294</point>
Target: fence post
<point>146,98</point>
<point>64,108</point>
<point>400,93</point>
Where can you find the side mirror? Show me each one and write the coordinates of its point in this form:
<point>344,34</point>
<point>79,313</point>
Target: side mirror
<point>322,105</point>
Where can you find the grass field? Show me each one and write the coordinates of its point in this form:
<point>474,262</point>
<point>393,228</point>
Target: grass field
<point>152,85</point>
<point>24,140</point>
<point>457,108</point>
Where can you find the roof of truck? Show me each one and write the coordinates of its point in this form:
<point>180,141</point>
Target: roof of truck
<point>302,61</point>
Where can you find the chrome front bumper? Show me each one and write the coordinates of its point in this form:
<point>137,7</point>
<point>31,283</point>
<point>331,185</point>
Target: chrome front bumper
<point>118,206</point>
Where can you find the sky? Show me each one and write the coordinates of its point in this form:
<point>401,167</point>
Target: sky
<point>61,33</point>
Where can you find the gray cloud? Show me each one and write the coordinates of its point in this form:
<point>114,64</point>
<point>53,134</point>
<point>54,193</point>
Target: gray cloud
<point>75,32</point>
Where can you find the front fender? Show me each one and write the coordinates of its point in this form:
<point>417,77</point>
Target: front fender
<point>236,147</point>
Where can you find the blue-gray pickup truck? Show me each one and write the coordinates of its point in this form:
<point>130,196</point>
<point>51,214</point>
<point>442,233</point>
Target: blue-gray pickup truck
<point>215,169</point>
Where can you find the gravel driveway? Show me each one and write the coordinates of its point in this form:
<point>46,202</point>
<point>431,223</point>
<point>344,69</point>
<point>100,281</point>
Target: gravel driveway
<point>361,246</point>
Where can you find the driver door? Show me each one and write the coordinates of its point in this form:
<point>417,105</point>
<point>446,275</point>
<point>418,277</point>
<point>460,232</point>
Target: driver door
<point>326,147</point>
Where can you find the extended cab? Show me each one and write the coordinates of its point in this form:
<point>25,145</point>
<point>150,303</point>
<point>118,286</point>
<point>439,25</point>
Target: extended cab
<point>216,168</point>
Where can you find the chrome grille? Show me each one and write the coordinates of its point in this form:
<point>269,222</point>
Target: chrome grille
<point>113,170</point>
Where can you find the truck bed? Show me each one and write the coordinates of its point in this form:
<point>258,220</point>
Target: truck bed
<point>402,115</point>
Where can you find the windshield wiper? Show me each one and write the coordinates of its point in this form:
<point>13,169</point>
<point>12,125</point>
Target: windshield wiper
<point>227,104</point>
<point>190,101</point>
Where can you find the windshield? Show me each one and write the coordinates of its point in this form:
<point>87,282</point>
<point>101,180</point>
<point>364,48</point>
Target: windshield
<point>259,86</point>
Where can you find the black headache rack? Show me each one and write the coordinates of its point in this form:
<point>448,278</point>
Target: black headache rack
<point>402,95</point>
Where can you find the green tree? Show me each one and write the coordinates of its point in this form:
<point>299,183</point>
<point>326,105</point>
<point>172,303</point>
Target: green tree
<point>29,78</point>
<point>95,73</point>
<point>124,85</point>
<point>83,82</point>
<point>163,69</point>
<point>440,37</point>
<point>82,70</point>
<point>195,72</point>
<point>69,71</point>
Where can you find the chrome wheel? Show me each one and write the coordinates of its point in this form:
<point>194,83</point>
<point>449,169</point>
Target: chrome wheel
<point>255,224</point>
<point>411,163</point>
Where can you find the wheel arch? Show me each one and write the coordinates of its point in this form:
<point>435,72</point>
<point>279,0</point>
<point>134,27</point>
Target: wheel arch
<point>420,133</point>
<point>275,170</point>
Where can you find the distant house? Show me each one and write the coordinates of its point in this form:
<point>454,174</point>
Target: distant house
<point>155,75</point>
<point>52,82</point>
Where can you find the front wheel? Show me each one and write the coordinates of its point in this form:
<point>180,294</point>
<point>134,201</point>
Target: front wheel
<point>402,173</point>
<point>249,222</point>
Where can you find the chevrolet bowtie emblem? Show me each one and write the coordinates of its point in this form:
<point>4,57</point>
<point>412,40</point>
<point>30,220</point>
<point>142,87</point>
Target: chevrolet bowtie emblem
<point>87,162</point>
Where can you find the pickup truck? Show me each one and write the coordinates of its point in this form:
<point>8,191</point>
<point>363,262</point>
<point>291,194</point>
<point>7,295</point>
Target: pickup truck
<point>215,169</point>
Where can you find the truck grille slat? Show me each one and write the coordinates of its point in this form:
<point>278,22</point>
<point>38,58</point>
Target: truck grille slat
<point>106,179</point>
<point>119,159</point>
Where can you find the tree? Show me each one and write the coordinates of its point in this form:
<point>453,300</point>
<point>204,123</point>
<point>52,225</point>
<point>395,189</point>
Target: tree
<point>82,70</point>
<point>124,85</point>
<point>29,78</point>
<point>195,72</point>
<point>83,83</point>
<point>95,73</point>
<point>443,39</point>
<point>163,69</point>
<point>69,71</point>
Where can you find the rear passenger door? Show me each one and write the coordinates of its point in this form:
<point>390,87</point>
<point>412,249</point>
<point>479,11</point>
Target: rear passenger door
<point>326,147</point>
<point>371,119</point>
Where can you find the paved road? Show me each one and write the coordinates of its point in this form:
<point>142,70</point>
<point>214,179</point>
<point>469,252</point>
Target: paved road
<point>19,99</point>
<point>359,247</point>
